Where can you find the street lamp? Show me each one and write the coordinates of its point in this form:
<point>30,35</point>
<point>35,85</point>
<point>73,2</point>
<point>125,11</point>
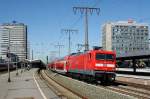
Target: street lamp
<point>8,51</point>
<point>16,58</point>
<point>16,65</point>
<point>21,67</point>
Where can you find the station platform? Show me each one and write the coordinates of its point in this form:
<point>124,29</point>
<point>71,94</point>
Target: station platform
<point>146,70</point>
<point>134,79</point>
<point>27,85</point>
<point>133,76</point>
<point>130,71</point>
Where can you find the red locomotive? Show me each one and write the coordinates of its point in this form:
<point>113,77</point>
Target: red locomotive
<point>97,64</point>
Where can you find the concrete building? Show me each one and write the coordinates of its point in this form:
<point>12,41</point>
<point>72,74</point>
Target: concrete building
<point>14,34</point>
<point>125,37</point>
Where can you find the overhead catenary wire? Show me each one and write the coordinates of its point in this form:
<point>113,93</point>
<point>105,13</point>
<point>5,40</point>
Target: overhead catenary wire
<point>86,11</point>
<point>96,3</point>
<point>75,23</point>
<point>59,47</point>
<point>69,31</point>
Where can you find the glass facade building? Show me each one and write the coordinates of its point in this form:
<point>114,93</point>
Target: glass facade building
<point>14,34</point>
<point>125,37</point>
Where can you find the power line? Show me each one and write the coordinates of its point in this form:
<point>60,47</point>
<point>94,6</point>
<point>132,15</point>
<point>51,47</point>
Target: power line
<point>73,25</point>
<point>80,17</point>
<point>59,47</point>
<point>96,3</point>
<point>69,31</point>
<point>77,21</point>
<point>80,46</point>
<point>86,11</point>
<point>53,55</point>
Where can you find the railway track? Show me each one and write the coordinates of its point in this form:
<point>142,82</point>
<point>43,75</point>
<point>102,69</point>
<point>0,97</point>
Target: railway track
<point>131,90</point>
<point>59,89</point>
<point>80,89</point>
<point>135,91</point>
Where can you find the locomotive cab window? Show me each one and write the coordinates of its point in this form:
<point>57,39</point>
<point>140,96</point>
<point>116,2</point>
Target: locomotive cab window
<point>104,57</point>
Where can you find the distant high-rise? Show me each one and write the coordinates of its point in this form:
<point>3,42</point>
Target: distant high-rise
<point>125,37</point>
<point>16,34</point>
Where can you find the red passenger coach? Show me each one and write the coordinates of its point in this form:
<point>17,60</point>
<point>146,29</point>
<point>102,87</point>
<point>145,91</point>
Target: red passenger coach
<point>59,65</point>
<point>97,64</point>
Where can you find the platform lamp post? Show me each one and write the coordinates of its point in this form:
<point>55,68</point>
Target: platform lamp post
<point>149,49</point>
<point>16,65</point>
<point>21,67</point>
<point>8,52</point>
<point>16,58</point>
<point>47,62</point>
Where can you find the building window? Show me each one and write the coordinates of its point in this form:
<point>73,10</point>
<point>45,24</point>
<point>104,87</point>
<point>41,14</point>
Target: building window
<point>141,37</point>
<point>146,34</point>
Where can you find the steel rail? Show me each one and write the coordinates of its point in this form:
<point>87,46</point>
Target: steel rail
<point>78,95</point>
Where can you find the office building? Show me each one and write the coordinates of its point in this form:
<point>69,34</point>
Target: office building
<point>125,37</point>
<point>15,35</point>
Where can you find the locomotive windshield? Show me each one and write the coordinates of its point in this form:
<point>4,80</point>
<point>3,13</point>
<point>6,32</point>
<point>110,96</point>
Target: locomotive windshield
<point>104,57</point>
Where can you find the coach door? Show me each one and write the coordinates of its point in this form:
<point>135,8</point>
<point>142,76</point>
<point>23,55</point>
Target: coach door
<point>65,66</point>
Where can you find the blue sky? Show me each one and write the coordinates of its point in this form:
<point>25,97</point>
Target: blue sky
<point>46,18</point>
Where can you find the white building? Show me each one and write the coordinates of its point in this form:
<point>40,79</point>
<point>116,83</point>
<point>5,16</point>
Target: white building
<point>14,34</point>
<point>125,37</point>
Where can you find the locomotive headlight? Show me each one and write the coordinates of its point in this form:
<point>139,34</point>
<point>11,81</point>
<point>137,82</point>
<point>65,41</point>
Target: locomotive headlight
<point>110,65</point>
<point>99,65</point>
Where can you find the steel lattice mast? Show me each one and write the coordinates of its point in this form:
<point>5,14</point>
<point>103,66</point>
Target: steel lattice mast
<point>86,11</point>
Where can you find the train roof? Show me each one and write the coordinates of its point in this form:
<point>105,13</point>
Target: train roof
<point>103,51</point>
<point>91,51</point>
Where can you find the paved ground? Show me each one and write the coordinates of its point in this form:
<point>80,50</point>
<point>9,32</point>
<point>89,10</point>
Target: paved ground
<point>25,86</point>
